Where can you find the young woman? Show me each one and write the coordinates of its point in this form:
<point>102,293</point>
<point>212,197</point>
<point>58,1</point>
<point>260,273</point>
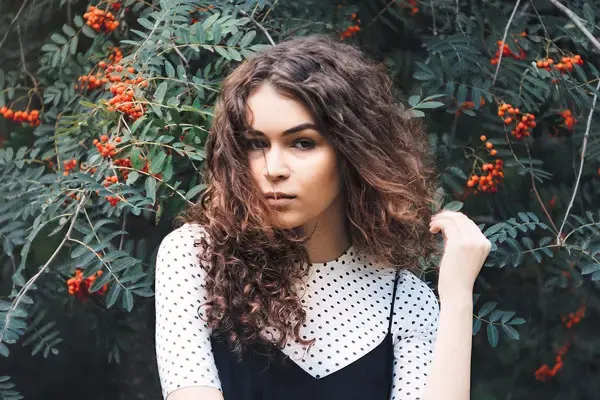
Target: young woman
<point>291,278</point>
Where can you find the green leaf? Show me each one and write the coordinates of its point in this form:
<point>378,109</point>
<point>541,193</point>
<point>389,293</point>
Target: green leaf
<point>146,23</point>
<point>169,69</point>
<point>430,104</point>
<point>590,15</point>
<point>150,186</point>
<point>247,39</point>
<point>476,326</point>
<point>206,24</point>
<point>492,335</point>
<point>194,191</point>
<point>157,162</point>
<point>414,100</point>
<point>58,38</point>
<point>49,47</point>
<point>517,321</point>
<point>453,206</point>
<point>132,177</point>
<point>161,90</point>
<point>89,32</point>
<point>68,30</point>
<point>113,294</point>
<point>127,300</point>
<point>511,332</point>
<point>73,45</point>
<point>487,308</point>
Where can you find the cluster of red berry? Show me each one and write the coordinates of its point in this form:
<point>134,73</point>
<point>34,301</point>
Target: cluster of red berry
<point>352,29</point>
<point>568,118</point>
<point>80,286</point>
<point>69,165</point>
<point>544,372</point>
<point>113,200</point>
<point>412,4</point>
<point>99,19</point>
<point>507,52</point>
<point>490,179</point>
<point>105,148</point>
<point>488,145</point>
<point>31,117</point>
<point>124,162</point>
<point>124,101</point>
<point>523,122</point>
<point>469,105</point>
<point>567,63</point>
<point>573,318</point>
<point>110,180</point>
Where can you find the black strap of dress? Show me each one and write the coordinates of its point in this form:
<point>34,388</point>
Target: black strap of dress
<point>393,301</point>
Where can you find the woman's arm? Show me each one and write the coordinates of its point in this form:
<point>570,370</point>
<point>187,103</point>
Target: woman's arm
<point>465,251</point>
<point>184,354</point>
<point>449,375</point>
<point>196,393</point>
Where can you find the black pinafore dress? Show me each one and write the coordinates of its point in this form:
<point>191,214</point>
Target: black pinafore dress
<point>266,373</point>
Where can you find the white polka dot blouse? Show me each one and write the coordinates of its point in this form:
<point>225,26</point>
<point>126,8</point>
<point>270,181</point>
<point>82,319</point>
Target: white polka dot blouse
<point>347,301</point>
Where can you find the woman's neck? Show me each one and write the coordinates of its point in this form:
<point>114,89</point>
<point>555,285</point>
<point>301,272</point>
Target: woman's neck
<point>330,235</point>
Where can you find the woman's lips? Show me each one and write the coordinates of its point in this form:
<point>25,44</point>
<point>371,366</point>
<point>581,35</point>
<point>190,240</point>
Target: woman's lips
<point>280,202</point>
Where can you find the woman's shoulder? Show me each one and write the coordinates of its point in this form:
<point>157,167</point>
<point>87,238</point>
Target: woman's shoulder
<point>415,303</point>
<point>178,250</point>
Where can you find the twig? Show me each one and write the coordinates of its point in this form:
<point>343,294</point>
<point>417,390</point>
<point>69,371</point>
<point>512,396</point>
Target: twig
<point>433,16</point>
<point>14,20</point>
<point>537,194</point>
<point>23,62</point>
<point>512,15</point>
<point>577,21</point>
<point>262,28</point>
<point>32,280</point>
<point>583,150</point>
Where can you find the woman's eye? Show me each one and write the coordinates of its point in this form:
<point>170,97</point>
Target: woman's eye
<point>304,144</point>
<point>255,144</point>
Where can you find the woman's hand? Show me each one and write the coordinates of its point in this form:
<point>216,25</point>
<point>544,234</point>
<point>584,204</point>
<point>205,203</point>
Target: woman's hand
<point>465,251</point>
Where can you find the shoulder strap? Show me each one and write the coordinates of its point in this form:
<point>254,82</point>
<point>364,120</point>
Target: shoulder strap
<point>393,301</point>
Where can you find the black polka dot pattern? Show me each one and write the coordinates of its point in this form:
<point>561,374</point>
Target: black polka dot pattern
<point>183,349</point>
<point>347,301</point>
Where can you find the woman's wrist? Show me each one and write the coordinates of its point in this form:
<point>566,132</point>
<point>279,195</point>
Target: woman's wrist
<point>457,300</point>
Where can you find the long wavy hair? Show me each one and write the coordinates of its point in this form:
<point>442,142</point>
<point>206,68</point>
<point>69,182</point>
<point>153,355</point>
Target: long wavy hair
<point>254,271</point>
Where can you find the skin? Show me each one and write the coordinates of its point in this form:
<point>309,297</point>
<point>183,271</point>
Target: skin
<point>302,163</point>
<point>306,165</point>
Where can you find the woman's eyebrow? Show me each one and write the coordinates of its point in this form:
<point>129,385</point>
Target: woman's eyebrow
<point>289,131</point>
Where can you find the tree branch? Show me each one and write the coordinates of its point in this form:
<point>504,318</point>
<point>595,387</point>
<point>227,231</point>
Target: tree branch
<point>583,150</point>
<point>577,21</point>
<point>504,40</point>
<point>12,23</point>
<point>262,28</point>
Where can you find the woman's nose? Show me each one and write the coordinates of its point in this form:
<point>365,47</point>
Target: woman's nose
<point>275,164</point>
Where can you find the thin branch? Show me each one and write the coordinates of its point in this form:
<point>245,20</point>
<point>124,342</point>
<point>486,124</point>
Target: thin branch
<point>14,20</point>
<point>512,15</point>
<point>577,21</point>
<point>433,16</point>
<point>262,28</point>
<point>42,270</point>
<point>23,62</point>
<point>537,194</point>
<point>583,150</point>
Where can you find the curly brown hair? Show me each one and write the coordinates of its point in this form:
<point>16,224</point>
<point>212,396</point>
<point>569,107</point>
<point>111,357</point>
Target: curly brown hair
<point>254,270</point>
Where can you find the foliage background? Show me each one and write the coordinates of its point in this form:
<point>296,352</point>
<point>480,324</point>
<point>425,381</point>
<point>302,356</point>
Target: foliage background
<point>537,299</point>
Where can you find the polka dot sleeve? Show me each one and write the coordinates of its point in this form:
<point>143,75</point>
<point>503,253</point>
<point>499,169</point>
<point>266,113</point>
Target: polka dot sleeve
<point>415,324</point>
<point>183,349</point>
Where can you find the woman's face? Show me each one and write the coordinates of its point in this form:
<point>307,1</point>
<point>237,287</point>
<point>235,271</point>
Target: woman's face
<point>289,158</point>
